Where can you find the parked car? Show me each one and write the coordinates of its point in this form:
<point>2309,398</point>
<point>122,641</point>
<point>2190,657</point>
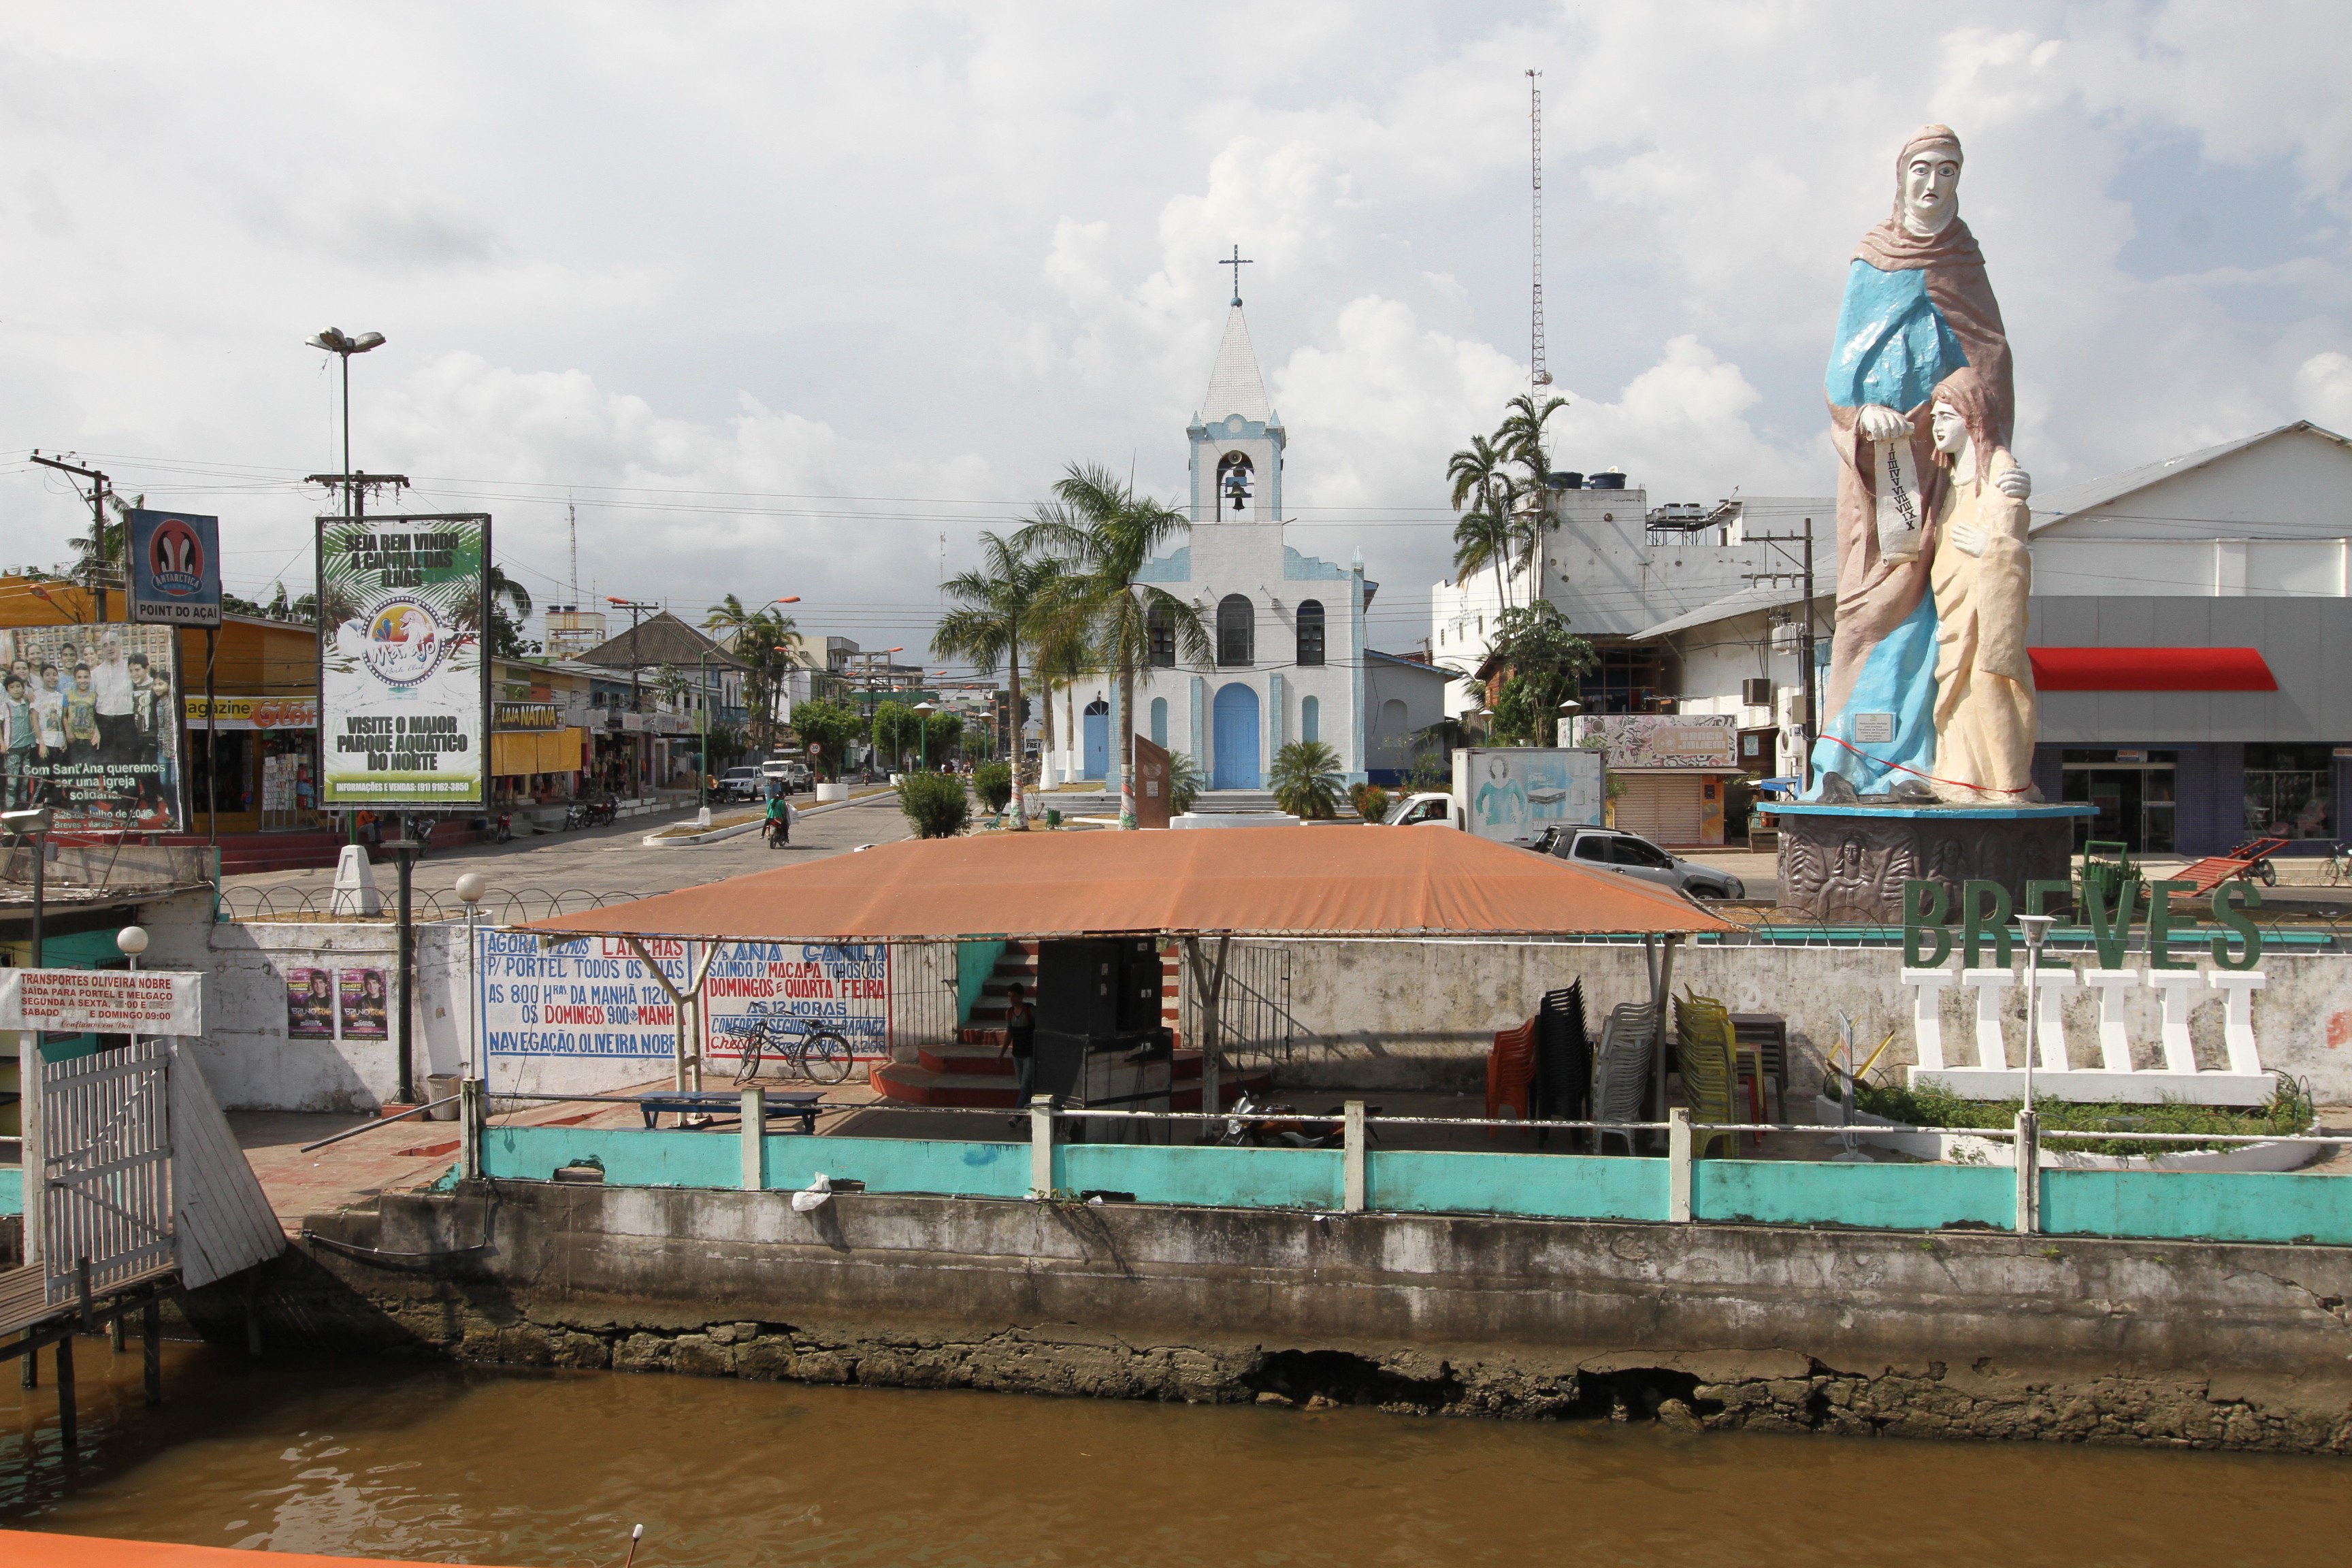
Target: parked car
<point>791,773</point>
<point>1631,855</point>
<point>741,783</point>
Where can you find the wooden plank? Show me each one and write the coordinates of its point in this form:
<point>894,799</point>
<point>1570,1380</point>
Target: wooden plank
<point>221,1213</point>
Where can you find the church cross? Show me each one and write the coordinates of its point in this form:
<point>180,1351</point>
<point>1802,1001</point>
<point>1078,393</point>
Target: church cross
<point>1237,261</point>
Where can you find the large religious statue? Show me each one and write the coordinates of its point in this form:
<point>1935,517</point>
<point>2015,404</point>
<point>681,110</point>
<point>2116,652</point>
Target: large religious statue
<point>1919,316</point>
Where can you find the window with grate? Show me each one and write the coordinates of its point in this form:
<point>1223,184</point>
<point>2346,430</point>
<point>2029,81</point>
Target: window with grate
<point>1161,626</point>
<point>1236,630</point>
<point>1310,632</point>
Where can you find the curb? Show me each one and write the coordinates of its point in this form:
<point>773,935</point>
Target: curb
<point>696,840</point>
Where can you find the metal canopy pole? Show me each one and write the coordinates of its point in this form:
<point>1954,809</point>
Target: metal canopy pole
<point>689,1002</point>
<point>403,851</point>
<point>1209,987</point>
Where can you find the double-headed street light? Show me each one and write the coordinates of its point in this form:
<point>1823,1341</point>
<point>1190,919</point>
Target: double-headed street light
<point>343,346</point>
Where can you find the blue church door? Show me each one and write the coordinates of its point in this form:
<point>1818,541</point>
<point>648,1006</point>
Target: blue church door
<point>1234,730</point>
<point>1097,760</point>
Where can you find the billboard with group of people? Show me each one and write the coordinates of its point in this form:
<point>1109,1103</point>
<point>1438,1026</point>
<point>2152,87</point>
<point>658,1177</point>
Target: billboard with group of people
<point>91,725</point>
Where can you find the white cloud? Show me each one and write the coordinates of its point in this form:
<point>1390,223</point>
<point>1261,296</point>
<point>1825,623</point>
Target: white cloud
<point>937,253</point>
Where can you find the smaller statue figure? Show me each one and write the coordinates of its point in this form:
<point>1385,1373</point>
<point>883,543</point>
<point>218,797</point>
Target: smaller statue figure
<point>1981,576</point>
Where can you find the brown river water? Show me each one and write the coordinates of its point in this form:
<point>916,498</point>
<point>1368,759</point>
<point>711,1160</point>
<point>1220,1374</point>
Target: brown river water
<point>431,1461</point>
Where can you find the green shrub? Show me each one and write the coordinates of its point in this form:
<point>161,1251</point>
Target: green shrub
<point>935,803</point>
<point>1306,780</point>
<point>1183,782</point>
<point>1370,801</point>
<point>992,782</point>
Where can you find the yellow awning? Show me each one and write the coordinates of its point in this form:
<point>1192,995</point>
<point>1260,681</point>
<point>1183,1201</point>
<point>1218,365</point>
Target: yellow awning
<point>517,752</point>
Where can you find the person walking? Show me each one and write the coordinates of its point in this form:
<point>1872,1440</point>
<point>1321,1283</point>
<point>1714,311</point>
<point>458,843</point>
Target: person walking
<point>1021,1040</point>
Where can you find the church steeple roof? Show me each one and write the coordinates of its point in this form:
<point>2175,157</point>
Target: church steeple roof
<point>1234,385</point>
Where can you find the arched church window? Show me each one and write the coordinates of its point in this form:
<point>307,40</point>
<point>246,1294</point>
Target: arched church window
<point>1310,632</point>
<point>1161,626</point>
<point>1236,630</point>
<point>1234,476</point>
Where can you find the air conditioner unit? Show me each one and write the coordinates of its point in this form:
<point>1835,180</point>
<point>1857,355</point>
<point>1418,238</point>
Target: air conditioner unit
<point>1755,692</point>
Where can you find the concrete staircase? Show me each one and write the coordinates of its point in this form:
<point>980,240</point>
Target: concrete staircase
<point>971,1072</point>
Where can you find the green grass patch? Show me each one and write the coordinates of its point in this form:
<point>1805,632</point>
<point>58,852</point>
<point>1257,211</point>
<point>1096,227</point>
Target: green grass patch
<point>2289,1112</point>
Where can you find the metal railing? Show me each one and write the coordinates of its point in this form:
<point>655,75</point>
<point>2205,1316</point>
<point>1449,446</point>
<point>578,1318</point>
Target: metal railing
<point>500,906</point>
<point>1357,1128</point>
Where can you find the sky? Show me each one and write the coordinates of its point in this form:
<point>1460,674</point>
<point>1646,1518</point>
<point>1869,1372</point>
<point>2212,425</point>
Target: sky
<point>798,300</point>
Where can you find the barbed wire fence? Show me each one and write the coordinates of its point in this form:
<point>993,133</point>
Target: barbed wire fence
<point>500,906</point>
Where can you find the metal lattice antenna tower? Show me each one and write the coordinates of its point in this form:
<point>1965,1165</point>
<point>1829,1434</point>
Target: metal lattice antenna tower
<point>571,523</point>
<point>1538,375</point>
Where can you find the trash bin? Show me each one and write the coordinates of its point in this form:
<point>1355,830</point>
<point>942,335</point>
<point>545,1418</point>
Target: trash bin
<point>439,1086</point>
<point>1052,818</point>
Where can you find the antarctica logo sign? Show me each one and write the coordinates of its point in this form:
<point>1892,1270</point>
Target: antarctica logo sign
<point>174,569</point>
<point>404,686</point>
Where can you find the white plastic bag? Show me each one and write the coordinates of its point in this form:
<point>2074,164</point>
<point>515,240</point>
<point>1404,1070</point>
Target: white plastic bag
<point>814,1196</point>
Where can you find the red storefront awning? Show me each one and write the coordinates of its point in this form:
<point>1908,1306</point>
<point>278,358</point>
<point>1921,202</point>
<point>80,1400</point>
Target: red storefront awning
<point>2151,670</point>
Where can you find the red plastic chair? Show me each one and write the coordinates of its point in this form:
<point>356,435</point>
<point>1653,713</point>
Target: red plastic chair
<point>1511,1073</point>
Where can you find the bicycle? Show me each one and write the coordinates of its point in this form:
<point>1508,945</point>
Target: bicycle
<point>816,1054</point>
<point>2339,865</point>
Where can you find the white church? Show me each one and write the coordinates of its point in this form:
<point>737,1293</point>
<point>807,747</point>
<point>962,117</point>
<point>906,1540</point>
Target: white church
<point>1288,629</point>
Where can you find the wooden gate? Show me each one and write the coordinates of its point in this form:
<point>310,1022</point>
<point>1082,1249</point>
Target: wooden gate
<point>106,1199</point>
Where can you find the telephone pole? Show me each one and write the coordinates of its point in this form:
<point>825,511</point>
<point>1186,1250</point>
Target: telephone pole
<point>98,494</point>
<point>1807,724</point>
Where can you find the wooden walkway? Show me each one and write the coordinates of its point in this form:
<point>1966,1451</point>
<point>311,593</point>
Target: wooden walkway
<point>23,1308</point>
<point>20,1301</point>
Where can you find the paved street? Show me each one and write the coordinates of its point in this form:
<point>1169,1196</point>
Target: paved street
<point>607,860</point>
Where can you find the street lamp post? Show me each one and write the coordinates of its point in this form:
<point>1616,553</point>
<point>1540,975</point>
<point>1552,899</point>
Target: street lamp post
<point>923,747</point>
<point>342,346</point>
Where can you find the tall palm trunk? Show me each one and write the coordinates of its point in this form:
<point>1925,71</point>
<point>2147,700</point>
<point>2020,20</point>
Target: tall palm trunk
<point>1014,726</point>
<point>1127,742</point>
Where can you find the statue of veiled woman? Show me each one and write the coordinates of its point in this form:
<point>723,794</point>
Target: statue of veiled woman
<point>1981,576</point>
<point>1917,308</point>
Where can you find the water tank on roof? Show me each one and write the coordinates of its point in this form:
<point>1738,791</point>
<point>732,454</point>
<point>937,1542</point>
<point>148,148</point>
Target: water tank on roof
<point>1568,480</point>
<point>1614,479</point>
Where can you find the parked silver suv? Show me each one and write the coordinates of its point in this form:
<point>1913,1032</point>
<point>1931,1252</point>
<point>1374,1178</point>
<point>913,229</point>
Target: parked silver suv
<point>1629,854</point>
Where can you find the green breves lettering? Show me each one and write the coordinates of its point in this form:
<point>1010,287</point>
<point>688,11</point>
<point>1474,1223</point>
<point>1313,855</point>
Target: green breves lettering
<point>2159,924</point>
<point>1984,912</point>
<point>2232,915</point>
<point>2110,929</point>
<point>1925,912</point>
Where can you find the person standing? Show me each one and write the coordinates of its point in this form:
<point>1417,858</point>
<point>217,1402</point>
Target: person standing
<point>110,691</point>
<point>17,734</point>
<point>1021,1041</point>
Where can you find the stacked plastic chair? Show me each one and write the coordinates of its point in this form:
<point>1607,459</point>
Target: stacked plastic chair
<point>1621,1077</point>
<point>1511,1073</point>
<point>1563,1057</point>
<point>1705,1041</point>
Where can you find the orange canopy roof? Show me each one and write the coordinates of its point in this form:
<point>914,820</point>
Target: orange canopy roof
<point>1254,881</point>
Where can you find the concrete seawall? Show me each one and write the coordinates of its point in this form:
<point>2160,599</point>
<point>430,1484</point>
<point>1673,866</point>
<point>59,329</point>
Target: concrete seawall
<point>1959,1332</point>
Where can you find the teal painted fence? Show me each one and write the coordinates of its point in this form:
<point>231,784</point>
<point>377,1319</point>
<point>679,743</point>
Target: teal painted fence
<point>12,1189</point>
<point>1876,1196</point>
<point>1412,1180</point>
<point>2223,1205</point>
<point>1212,1175</point>
<point>630,1158</point>
<point>899,1165</point>
<point>2217,1206</point>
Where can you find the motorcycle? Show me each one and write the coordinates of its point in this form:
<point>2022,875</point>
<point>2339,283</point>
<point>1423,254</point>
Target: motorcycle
<point>502,829</point>
<point>1256,1126</point>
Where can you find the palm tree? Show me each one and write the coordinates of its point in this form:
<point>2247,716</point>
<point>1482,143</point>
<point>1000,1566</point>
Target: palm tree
<point>1103,532</point>
<point>1520,440</point>
<point>759,638</point>
<point>1306,780</point>
<point>1059,657</point>
<point>998,609</point>
<point>1481,539</point>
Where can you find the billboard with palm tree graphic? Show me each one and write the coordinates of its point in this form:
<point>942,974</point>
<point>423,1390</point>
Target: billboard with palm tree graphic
<point>403,685</point>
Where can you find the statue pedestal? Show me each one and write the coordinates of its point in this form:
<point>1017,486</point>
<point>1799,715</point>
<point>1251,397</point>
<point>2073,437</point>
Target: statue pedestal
<point>1845,865</point>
